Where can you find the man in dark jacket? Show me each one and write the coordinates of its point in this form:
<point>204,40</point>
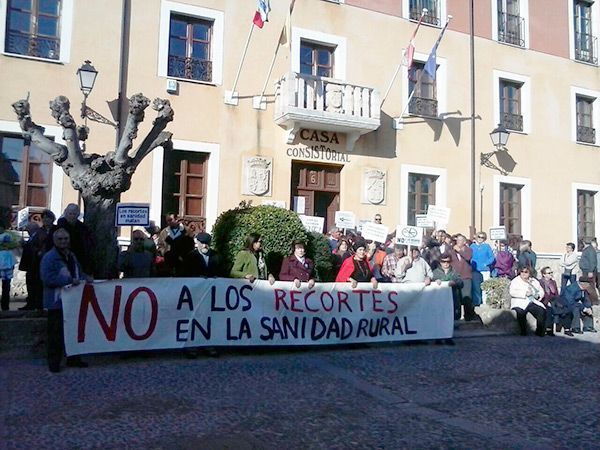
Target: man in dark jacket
<point>82,240</point>
<point>588,263</point>
<point>201,261</point>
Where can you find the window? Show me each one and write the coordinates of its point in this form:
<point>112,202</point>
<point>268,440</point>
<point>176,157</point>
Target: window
<point>421,194</point>
<point>585,123</point>
<point>510,208</point>
<point>184,185</point>
<point>25,173</point>
<point>33,28</point>
<point>586,221</point>
<point>423,101</point>
<point>189,48</point>
<point>510,105</point>
<point>316,59</point>
<point>511,26</point>
<point>433,11</point>
<point>586,45</point>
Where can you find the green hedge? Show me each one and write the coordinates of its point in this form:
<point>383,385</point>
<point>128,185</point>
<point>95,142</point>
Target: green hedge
<point>278,227</point>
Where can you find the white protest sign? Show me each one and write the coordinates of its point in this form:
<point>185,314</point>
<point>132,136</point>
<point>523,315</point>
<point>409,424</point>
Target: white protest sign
<point>375,232</point>
<point>439,214</point>
<point>497,233</point>
<point>132,214</point>
<point>149,313</point>
<point>299,205</point>
<point>345,219</point>
<point>423,221</point>
<point>312,223</point>
<point>22,218</point>
<point>409,235</point>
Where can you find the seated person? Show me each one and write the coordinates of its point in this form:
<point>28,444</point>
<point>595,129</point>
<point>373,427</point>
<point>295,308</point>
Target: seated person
<point>136,261</point>
<point>445,272</point>
<point>413,269</point>
<point>554,309</point>
<point>580,305</point>
<point>297,267</point>
<point>526,295</point>
<point>390,262</point>
<point>357,269</point>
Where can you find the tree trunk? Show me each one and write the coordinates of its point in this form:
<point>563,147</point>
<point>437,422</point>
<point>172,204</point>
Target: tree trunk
<point>100,218</point>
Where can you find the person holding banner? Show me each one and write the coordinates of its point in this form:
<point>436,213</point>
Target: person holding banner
<point>357,269</point>
<point>461,262</point>
<point>59,269</point>
<point>250,262</point>
<point>297,267</point>
<point>445,272</point>
<point>413,269</point>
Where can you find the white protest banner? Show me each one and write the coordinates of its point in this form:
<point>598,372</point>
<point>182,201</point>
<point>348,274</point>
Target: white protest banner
<point>132,214</point>
<point>345,219</point>
<point>409,235</point>
<point>423,221</point>
<point>375,232</point>
<point>22,218</point>
<point>155,313</point>
<point>497,233</point>
<point>312,223</point>
<point>439,214</point>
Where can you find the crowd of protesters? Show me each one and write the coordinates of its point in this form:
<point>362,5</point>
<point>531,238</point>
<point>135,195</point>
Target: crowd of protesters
<point>57,255</point>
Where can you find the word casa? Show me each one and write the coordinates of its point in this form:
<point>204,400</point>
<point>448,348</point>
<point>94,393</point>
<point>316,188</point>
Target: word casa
<point>319,136</point>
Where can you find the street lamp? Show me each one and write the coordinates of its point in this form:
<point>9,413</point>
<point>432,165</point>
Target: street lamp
<point>500,136</point>
<point>87,77</point>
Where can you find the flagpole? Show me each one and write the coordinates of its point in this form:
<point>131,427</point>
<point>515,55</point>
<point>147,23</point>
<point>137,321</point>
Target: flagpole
<point>237,76</point>
<point>423,13</point>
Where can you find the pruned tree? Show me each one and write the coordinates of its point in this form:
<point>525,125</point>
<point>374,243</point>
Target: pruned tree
<point>101,179</point>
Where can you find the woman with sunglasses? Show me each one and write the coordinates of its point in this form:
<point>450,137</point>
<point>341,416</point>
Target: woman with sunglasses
<point>250,262</point>
<point>481,261</point>
<point>526,297</point>
<point>557,310</point>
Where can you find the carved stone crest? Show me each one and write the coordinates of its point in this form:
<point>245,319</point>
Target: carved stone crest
<point>374,186</point>
<point>257,176</point>
<point>333,97</point>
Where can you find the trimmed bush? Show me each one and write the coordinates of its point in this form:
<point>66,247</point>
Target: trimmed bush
<point>496,290</point>
<point>277,226</point>
<point>318,250</point>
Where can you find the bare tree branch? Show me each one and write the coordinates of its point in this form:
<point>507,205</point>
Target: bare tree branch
<point>155,137</point>
<point>59,109</point>
<point>137,104</point>
<point>58,152</point>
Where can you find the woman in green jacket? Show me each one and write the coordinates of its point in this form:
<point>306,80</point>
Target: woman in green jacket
<point>250,262</point>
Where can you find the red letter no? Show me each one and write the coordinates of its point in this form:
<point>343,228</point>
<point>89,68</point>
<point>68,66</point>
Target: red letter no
<point>153,318</point>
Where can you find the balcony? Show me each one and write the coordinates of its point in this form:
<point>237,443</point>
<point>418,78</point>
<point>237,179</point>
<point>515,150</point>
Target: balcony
<point>586,48</point>
<point>512,121</point>
<point>431,18</point>
<point>190,68</point>
<point>511,29</point>
<point>426,107</point>
<point>586,134</point>
<point>319,103</point>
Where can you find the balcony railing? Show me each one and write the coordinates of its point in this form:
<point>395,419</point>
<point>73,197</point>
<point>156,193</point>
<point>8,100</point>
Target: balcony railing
<point>512,121</point>
<point>586,48</point>
<point>511,29</point>
<point>32,45</point>
<point>427,107</point>
<point>586,134</point>
<point>432,17</point>
<point>307,101</point>
<point>190,68</point>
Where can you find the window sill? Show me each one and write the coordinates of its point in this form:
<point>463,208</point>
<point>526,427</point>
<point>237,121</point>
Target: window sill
<point>585,62</point>
<point>34,58</point>
<point>525,133</point>
<point>426,24</point>
<point>587,144</point>
<point>508,44</point>
<point>189,80</point>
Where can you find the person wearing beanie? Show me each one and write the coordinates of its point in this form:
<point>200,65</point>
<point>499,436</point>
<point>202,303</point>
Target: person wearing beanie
<point>202,261</point>
<point>357,268</point>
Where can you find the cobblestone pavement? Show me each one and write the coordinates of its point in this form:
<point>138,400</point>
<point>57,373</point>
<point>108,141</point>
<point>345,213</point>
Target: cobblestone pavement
<point>485,392</point>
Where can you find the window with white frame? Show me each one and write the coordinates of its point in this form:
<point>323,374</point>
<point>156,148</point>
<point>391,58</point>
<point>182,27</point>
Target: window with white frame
<point>421,186</point>
<point>436,11</point>
<point>316,59</point>
<point>422,86</point>
<point>585,214</point>
<point>37,28</point>
<point>318,54</point>
<point>512,101</point>
<point>512,205</point>
<point>586,44</point>
<point>510,22</point>
<point>585,119</point>
<point>191,43</point>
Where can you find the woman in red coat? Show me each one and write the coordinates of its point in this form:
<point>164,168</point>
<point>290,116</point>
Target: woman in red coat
<point>357,268</point>
<point>297,267</point>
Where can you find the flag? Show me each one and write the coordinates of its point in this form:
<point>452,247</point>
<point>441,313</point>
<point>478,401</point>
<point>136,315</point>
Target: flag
<point>431,65</point>
<point>286,33</point>
<point>410,50</point>
<point>262,13</point>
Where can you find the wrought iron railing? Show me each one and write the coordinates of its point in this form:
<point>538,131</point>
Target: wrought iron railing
<point>586,134</point>
<point>32,45</point>
<point>420,106</point>
<point>190,68</point>
<point>512,121</point>
<point>432,17</point>
<point>511,29</point>
<point>586,48</point>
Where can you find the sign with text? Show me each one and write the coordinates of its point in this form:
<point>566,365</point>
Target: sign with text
<point>439,214</point>
<point>22,218</point>
<point>409,235</point>
<point>497,233</point>
<point>132,214</point>
<point>423,221</point>
<point>312,223</point>
<point>155,313</point>
<point>299,205</point>
<point>345,219</point>
<point>375,232</point>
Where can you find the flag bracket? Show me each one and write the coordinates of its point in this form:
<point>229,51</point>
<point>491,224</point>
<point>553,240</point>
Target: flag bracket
<point>231,98</point>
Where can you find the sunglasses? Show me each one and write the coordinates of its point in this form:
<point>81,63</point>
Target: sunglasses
<point>445,260</point>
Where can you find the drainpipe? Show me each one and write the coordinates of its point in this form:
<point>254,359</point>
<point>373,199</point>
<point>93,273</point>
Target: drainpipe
<point>472,63</point>
<point>123,67</point>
